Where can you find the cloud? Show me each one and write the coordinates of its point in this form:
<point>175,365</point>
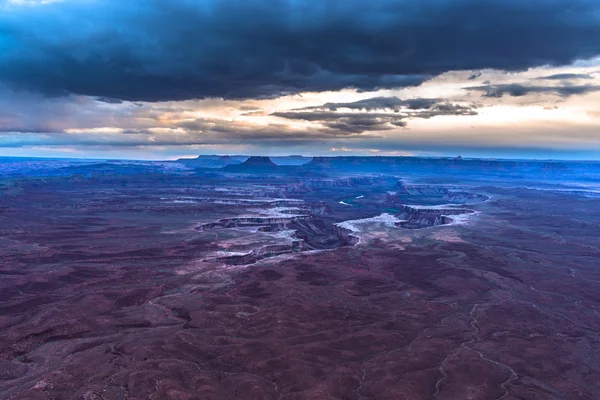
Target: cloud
<point>343,124</point>
<point>566,76</point>
<point>228,134</point>
<point>375,114</point>
<point>29,112</point>
<point>158,50</point>
<point>31,120</point>
<point>518,90</point>
<point>380,103</point>
<point>88,121</point>
<point>109,100</point>
<point>222,131</point>
<point>83,121</point>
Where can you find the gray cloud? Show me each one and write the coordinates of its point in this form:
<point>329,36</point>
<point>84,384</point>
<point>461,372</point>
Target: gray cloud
<point>271,136</point>
<point>152,50</point>
<point>566,76</point>
<point>342,124</point>
<point>518,90</point>
<point>109,100</point>
<point>380,103</point>
<point>373,113</point>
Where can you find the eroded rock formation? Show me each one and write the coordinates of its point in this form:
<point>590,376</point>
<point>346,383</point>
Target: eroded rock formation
<point>421,217</point>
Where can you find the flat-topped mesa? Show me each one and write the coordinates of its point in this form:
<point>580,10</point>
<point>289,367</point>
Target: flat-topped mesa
<point>213,161</point>
<point>293,160</point>
<point>407,165</point>
<point>259,161</point>
<point>253,164</point>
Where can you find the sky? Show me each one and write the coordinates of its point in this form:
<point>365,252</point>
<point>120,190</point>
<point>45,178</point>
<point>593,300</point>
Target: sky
<point>162,79</point>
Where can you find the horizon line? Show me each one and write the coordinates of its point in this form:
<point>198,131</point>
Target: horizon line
<point>305,156</point>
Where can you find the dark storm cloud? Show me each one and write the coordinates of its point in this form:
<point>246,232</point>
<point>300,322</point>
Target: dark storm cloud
<point>373,114</point>
<point>518,90</point>
<point>566,77</point>
<point>150,50</point>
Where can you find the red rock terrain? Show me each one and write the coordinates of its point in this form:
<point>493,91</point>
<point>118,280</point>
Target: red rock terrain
<point>108,291</point>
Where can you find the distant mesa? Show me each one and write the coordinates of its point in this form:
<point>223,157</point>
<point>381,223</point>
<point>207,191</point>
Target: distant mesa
<point>259,162</point>
<point>212,161</point>
<point>291,160</point>
<point>322,166</point>
<point>253,164</point>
